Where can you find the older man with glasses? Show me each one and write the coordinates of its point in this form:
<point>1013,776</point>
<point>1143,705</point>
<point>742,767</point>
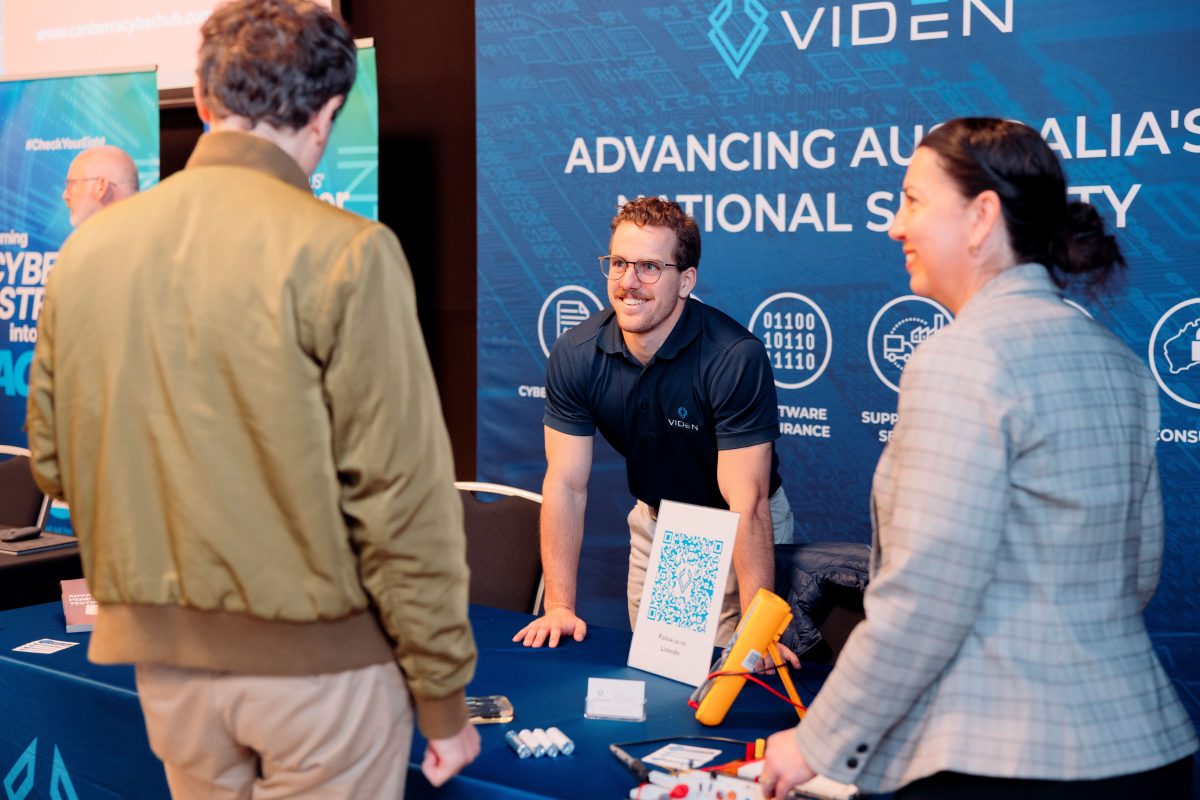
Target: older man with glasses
<point>98,177</point>
<point>683,392</point>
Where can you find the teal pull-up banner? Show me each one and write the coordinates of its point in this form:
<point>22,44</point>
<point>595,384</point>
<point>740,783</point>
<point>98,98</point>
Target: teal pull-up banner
<point>44,124</point>
<point>348,173</point>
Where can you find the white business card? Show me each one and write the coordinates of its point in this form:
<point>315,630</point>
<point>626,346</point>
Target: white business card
<point>612,698</point>
<point>44,646</point>
<point>681,756</point>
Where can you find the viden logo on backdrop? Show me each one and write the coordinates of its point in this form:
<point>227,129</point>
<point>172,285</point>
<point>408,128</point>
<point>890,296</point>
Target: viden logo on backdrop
<point>739,27</point>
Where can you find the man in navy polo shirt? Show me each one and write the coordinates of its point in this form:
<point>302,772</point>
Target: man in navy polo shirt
<point>684,392</point>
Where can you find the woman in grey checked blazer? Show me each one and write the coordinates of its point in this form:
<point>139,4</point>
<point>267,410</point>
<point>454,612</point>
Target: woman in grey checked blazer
<point>1018,526</point>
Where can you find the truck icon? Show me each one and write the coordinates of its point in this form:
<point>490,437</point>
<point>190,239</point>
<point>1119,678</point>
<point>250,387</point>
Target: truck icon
<point>897,349</point>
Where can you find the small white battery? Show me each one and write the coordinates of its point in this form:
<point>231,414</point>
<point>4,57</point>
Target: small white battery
<point>547,744</point>
<point>528,739</point>
<point>564,745</point>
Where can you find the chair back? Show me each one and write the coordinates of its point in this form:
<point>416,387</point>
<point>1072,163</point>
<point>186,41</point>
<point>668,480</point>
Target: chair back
<point>502,546</point>
<point>21,501</point>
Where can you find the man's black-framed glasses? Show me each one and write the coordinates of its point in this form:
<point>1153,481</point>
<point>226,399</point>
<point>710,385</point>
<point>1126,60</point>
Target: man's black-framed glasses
<point>648,270</point>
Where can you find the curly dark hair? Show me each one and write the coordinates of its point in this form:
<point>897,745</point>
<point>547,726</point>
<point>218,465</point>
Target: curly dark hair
<point>274,61</point>
<point>644,211</point>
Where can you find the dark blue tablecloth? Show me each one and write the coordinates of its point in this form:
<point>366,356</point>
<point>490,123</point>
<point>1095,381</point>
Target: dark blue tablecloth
<point>67,722</point>
<point>69,729</point>
<point>548,687</point>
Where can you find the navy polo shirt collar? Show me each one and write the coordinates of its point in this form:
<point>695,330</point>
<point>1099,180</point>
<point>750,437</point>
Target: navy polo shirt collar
<point>610,339</point>
<point>686,329</point>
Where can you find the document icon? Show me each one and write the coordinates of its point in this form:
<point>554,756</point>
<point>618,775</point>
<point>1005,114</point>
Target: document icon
<point>568,314</point>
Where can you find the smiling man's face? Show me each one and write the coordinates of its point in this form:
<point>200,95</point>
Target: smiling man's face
<point>648,311</point>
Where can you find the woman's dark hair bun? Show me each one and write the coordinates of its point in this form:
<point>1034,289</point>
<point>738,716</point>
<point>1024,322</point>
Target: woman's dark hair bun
<point>1085,252</point>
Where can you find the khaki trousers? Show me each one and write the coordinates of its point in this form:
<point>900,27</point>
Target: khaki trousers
<point>642,522</point>
<point>262,737</point>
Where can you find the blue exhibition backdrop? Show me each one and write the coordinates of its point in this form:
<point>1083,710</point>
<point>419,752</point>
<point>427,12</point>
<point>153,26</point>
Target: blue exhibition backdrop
<point>44,124</point>
<point>784,127</point>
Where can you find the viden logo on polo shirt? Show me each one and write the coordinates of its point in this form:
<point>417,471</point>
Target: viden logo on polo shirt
<point>680,421</point>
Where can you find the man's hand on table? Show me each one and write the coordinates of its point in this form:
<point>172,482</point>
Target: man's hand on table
<point>444,758</point>
<point>555,624</point>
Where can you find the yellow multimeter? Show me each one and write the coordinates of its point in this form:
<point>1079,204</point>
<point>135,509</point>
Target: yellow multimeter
<point>753,643</point>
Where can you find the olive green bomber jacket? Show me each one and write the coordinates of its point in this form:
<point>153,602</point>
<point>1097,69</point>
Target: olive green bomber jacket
<point>231,390</point>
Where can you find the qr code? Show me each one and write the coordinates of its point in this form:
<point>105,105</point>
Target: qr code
<point>686,583</point>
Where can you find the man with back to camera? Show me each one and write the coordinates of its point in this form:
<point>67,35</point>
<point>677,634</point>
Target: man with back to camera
<point>241,412</point>
<point>98,177</point>
<point>629,372</point>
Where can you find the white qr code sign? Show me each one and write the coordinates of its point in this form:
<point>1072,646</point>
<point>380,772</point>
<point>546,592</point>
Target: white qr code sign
<point>685,586</point>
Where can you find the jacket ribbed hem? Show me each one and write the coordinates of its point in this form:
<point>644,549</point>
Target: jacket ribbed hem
<point>223,641</point>
<point>442,717</point>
